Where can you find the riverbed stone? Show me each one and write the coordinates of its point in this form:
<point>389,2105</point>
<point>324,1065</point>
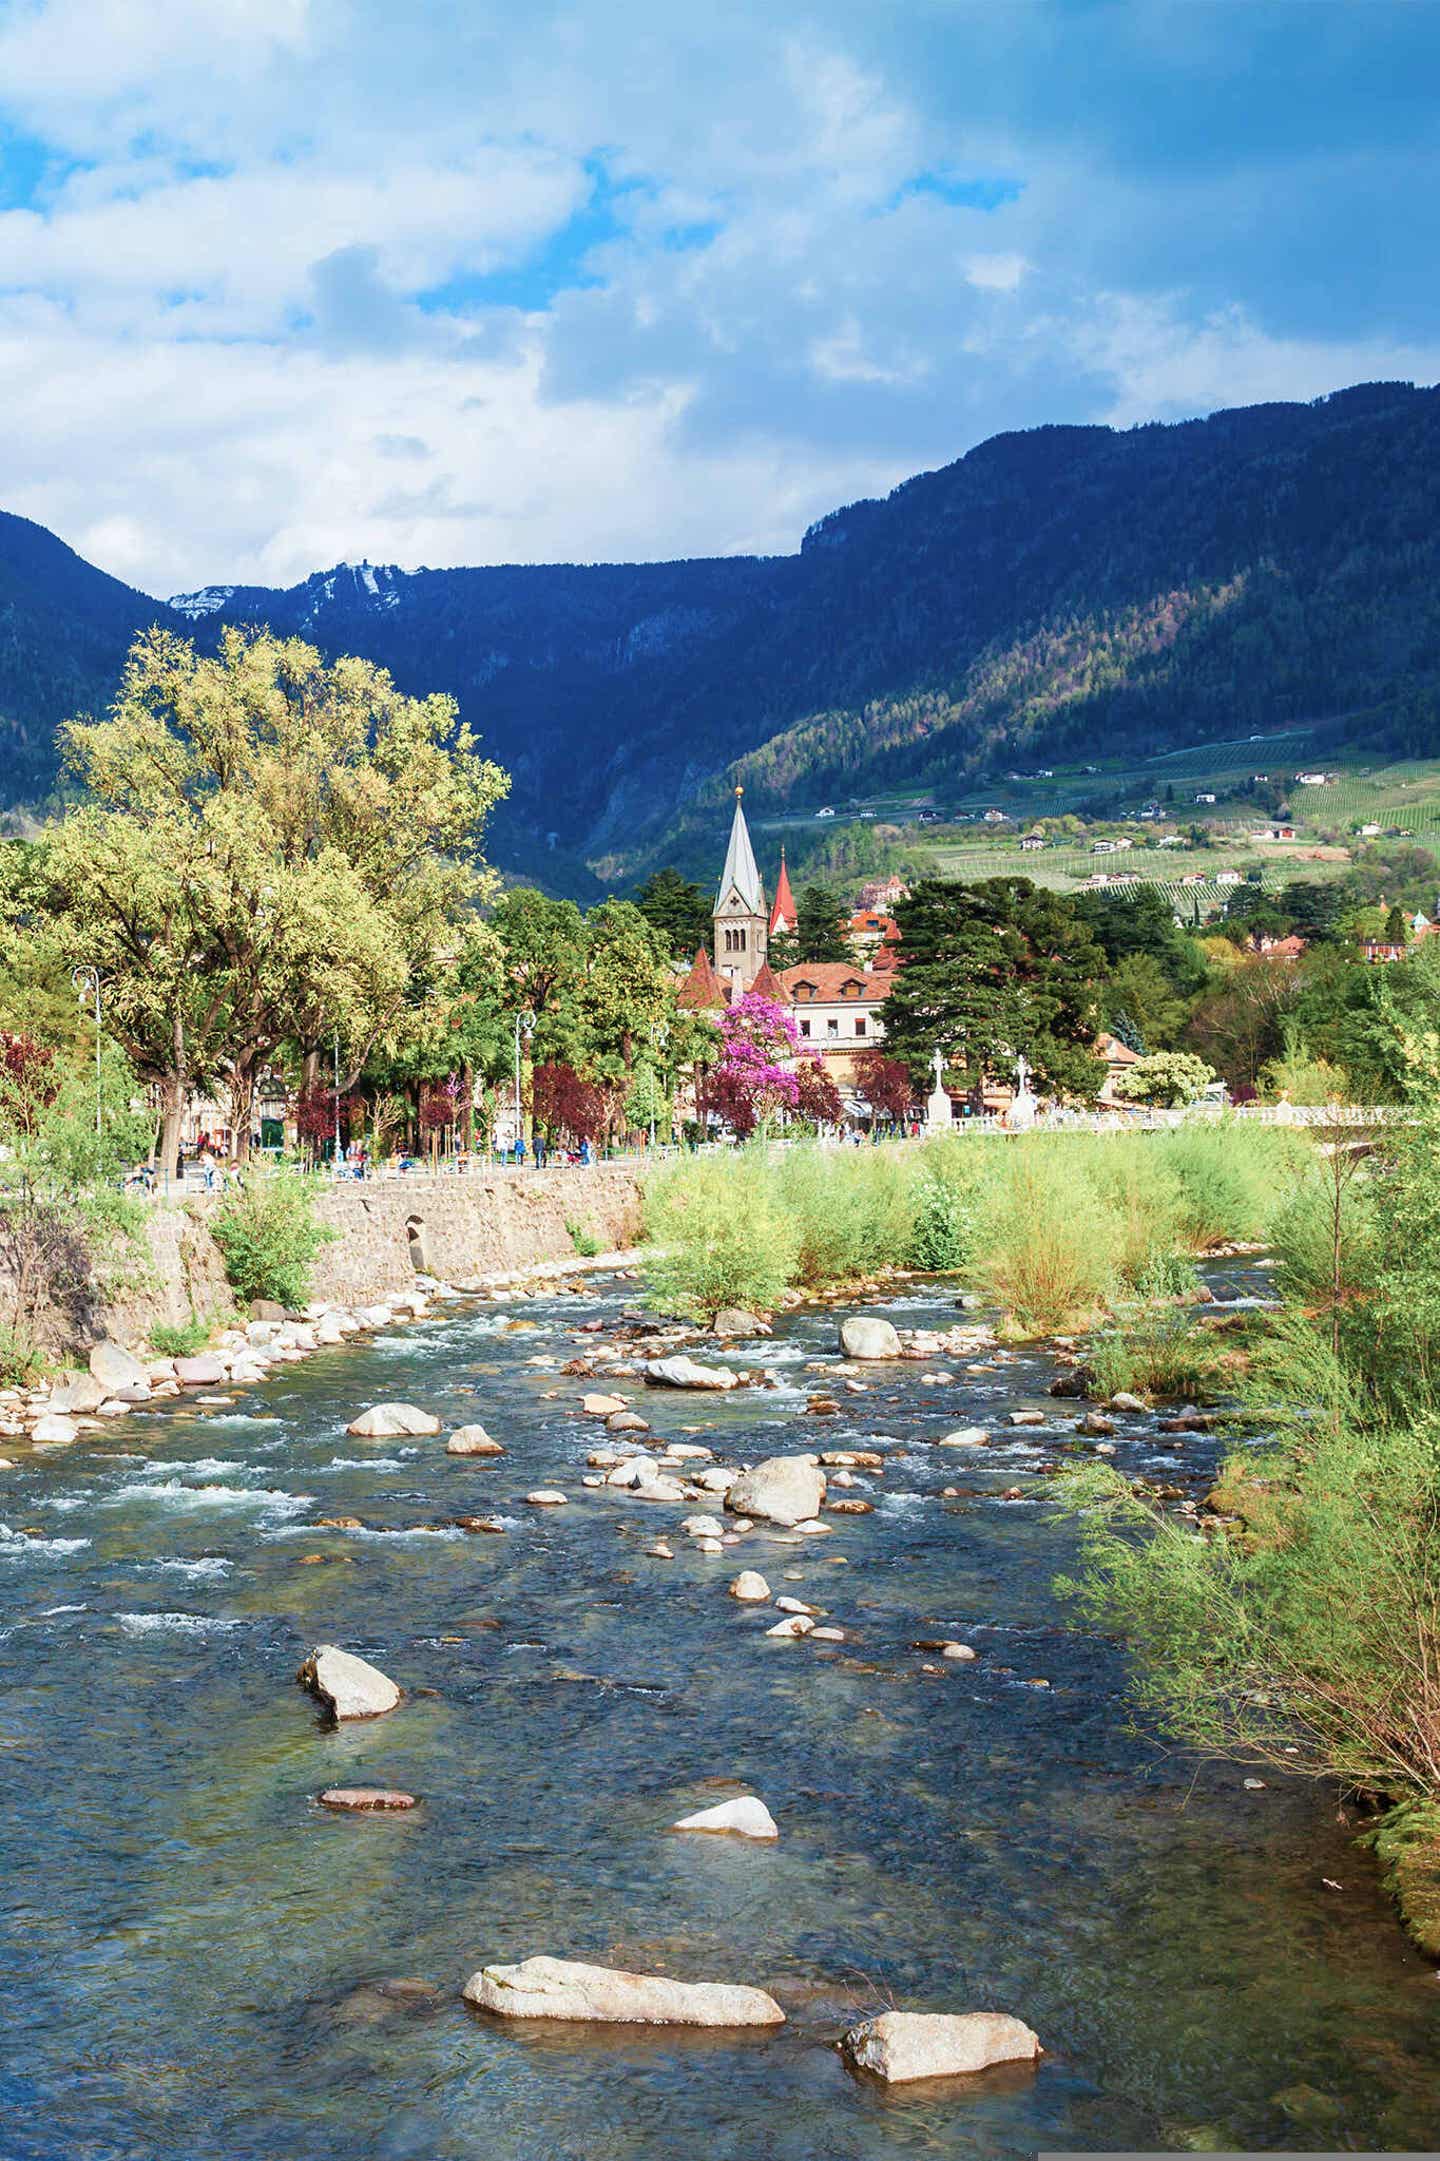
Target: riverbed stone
<point>366,1800</point>
<point>204,1371</point>
<point>115,1367</point>
<point>472,1441</point>
<point>783,1489</point>
<point>869,1335</point>
<point>682,1372</point>
<point>794,1624</point>
<point>597,1406</point>
<point>78,1393</point>
<point>547,1497</point>
<point>347,1685</point>
<point>966,1437</point>
<point>566,1989</point>
<point>54,1429</point>
<point>1122,1400</point>
<point>735,1321</point>
<point>745,1817</point>
<point>392,1421</point>
<point>750,1588</point>
<point>901,2045</point>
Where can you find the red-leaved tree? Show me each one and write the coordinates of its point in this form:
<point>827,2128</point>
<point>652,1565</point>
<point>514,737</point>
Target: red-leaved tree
<point>885,1082</point>
<point>817,1097</point>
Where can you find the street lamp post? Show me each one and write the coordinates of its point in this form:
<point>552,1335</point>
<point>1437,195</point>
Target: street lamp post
<point>525,1020</point>
<point>87,985</point>
<point>659,1037</point>
<point>337,1102</point>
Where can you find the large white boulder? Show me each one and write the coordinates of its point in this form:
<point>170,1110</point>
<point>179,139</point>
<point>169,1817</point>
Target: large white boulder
<point>784,1489</point>
<point>204,1371</point>
<point>564,1988</point>
<point>390,1421</point>
<point>747,1817</point>
<point>76,1394</point>
<point>682,1372</point>
<point>53,1429</point>
<point>750,1588</point>
<point>900,2045</point>
<point>346,1684</point>
<point>868,1335</point>
<point>115,1367</point>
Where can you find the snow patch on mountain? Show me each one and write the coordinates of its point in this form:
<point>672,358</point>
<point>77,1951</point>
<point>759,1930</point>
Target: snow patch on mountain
<point>208,601</point>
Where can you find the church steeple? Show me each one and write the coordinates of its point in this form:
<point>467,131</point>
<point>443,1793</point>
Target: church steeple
<point>782,916</point>
<point>741,926</point>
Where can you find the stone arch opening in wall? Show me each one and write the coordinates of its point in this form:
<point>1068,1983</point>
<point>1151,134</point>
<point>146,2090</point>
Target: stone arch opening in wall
<point>417,1236</point>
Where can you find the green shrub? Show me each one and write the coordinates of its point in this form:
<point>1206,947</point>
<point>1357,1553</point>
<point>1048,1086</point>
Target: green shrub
<point>1231,1177</point>
<point>725,1239</point>
<point>851,1210</point>
<point>1165,1353</point>
<point>586,1244</point>
<point>943,1237</point>
<point>180,1339</point>
<point>268,1237</point>
<point>1048,1248</point>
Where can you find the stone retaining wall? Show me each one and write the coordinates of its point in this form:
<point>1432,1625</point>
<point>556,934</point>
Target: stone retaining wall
<point>456,1227</point>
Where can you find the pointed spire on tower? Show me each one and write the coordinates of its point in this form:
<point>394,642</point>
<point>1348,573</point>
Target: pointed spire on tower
<point>741,875</point>
<point>782,915</point>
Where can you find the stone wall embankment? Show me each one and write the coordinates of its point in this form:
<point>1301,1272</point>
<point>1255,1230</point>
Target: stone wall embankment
<point>456,1227</point>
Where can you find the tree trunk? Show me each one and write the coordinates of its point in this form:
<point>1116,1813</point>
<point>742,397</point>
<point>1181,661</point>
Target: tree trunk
<point>242,1109</point>
<point>467,1108</point>
<point>172,1110</point>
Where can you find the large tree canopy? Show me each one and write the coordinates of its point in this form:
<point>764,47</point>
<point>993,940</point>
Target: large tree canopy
<point>271,848</point>
<point>992,970</point>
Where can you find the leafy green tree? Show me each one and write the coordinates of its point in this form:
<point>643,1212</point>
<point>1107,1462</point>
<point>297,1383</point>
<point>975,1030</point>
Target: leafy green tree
<point>271,848</point>
<point>1142,1005</point>
<point>626,989</point>
<point>1168,1079</point>
<point>992,970</point>
<point>678,908</point>
<point>1127,926</point>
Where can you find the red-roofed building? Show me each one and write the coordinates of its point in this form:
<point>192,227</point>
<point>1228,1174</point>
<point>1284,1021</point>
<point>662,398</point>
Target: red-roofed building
<point>836,1008</point>
<point>868,931</point>
<point>702,988</point>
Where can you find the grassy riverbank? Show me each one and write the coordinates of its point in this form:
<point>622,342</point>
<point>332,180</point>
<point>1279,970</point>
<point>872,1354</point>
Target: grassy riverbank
<point>1059,1229</point>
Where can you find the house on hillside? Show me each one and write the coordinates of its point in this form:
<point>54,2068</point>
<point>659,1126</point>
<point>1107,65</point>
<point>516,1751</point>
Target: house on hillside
<point>1274,832</point>
<point>1206,795</point>
<point>867,931</point>
<point>1033,839</point>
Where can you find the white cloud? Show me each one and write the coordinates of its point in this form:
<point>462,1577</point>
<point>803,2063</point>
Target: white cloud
<point>996,273</point>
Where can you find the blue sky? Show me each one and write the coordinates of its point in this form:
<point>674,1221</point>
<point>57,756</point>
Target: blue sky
<point>284,281</point>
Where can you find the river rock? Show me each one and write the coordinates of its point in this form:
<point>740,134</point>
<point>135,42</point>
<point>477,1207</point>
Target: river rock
<point>902,2045</point>
<point>1124,1401</point>
<point>55,1429</point>
<point>966,1437</point>
<point>472,1441</point>
<point>682,1372</point>
<point>868,1335</point>
<point>115,1367</point>
<point>659,1488</point>
<point>81,1392</point>
<point>750,1588</point>
<point>959,1653</point>
<point>1027,1418</point>
<point>784,1489</point>
<point>391,1421</point>
<point>350,1687</point>
<point>547,1497</point>
<point>735,1321</point>
<point>564,1988</point>
<point>627,1422</point>
<point>202,1372</point>
<point>602,1406</point>
<point>366,1800</point>
<point>747,1817</point>
<point>794,1624</point>
<point>328,1330</point>
<point>703,1527</point>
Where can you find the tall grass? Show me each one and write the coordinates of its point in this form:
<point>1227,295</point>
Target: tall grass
<point>1056,1227</point>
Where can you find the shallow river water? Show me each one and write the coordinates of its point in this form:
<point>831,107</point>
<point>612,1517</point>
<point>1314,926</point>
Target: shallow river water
<point>194,1953</point>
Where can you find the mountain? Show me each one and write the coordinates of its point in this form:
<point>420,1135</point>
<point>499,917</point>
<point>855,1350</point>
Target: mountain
<point>1060,588</point>
<point>65,628</point>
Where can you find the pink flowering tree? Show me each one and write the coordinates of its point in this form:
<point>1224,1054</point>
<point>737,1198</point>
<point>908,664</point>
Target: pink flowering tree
<point>754,1081</point>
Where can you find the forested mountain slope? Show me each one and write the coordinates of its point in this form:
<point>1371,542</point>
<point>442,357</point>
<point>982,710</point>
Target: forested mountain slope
<point>1066,587</point>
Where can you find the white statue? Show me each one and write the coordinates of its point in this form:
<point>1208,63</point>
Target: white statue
<point>1024,1107</point>
<point>938,1111</point>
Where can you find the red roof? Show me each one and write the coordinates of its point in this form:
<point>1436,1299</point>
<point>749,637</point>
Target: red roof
<point>702,987</point>
<point>782,915</point>
<point>767,984</point>
<point>824,982</point>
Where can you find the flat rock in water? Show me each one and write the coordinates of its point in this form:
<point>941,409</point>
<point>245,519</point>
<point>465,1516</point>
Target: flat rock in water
<point>392,1421</point>
<point>601,1406</point>
<point>735,1321</point>
<point>563,1988</point>
<point>901,2045</point>
<point>547,1497</point>
<point>1124,1401</point>
<point>966,1437</point>
<point>784,1489</point>
<point>366,1800</point>
<point>869,1335</point>
<point>472,1441</point>
<point>53,1427</point>
<point>347,1685</point>
<point>115,1367</point>
<point>681,1372</point>
<point>747,1817</point>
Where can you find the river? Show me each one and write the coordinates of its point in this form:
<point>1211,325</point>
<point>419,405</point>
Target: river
<point>197,1957</point>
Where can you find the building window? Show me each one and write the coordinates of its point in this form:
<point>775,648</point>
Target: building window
<point>832,1027</point>
<point>859,1024</point>
<point>805,1027</point>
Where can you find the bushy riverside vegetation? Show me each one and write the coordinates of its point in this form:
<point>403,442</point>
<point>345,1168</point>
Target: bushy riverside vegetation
<point>1302,1630</point>
<point>1058,1228</point>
